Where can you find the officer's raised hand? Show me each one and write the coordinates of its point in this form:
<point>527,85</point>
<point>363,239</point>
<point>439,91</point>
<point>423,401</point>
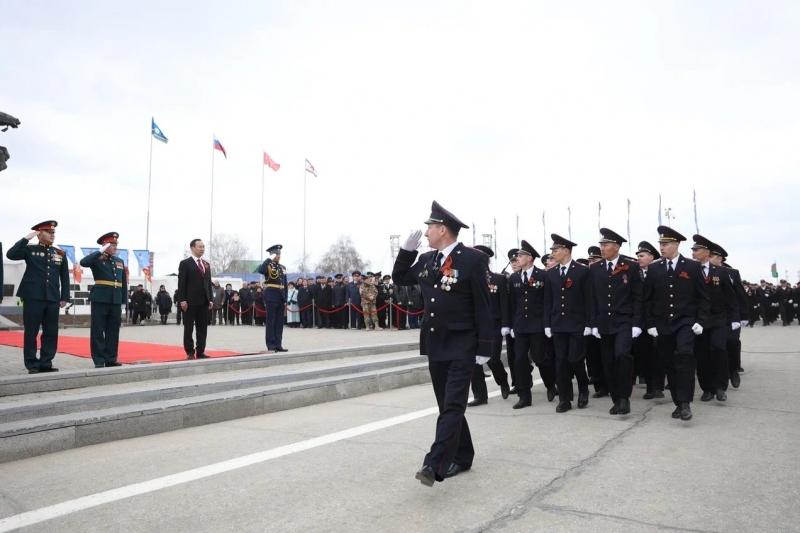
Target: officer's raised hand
<point>31,235</point>
<point>413,241</point>
<point>104,247</point>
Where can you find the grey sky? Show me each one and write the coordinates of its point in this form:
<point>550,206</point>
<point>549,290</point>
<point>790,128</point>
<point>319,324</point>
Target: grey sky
<point>494,109</point>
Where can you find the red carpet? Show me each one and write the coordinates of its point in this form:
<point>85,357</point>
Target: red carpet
<point>128,351</point>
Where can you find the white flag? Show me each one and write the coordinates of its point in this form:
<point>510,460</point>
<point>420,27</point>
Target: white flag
<point>310,168</point>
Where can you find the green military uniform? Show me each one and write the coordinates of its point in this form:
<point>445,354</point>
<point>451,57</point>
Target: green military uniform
<point>44,285</point>
<point>107,297</point>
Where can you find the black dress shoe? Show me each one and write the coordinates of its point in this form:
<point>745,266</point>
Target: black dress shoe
<point>677,412</point>
<point>602,393</point>
<point>551,394</point>
<point>99,366</point>
<point>282,350</point>
<point>658,394</point>
<point>583,400</point>
<point>721,396</point>
<point>113,364</point>
<point>477,401</point>
<point>190,356</point>
<point>522,403</point>
<point>513,390</point>
<point>735,380</point>
<point>624,406</point>
<point>563,407</point>
<point>455,470</point>
<point>426,476</point>
<point>740,370</point>
<point>649,395</point>
<point>504,391</point>
<point>686,412</point>
<point>707,396</point>
<point>614,410</point>
<point>33,371</point>
<point>48,369</point>
<point>486,375</point>
<point>202,356</point>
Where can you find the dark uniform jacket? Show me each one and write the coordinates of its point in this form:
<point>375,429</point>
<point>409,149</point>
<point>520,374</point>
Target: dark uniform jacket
<point>724,308</point>
<point>764,296</point>
<point>303,297</point>
<point>617,298</point>
<point>568,301</point>
<point>46,272</point>
<point>526,302</point>
<point>457,323</point>
<point>325,297</point>
<point>340,294</point>
<point>110,285</point>
<point>384,293</point>
<point>498,299</point>
<point>670,303</point>
<point>353,293</point>
<point>275,286</point>
<point>738,290</point>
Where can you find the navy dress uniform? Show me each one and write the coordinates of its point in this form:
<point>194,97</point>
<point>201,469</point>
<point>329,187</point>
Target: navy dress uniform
<point>710,348</point>
<point>676,305</point>
<point>619,318</point>
<point>43,289</point>
<point>645,354</point>
<point>594,359</point>
<point>498,303</point>
<point>733,345</point>
<point>511,353</point>
<point>527,289</point>
<point>109,293</point>
<point>275,292</point>
<point>568,317</point>
<point>456,328</point>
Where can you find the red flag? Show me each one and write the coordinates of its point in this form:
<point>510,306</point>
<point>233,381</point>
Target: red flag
<point>146,272</point>
<point>270,163</point>
<point>77,273</point>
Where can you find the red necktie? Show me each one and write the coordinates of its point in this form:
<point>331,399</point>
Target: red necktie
<point>202,268</point>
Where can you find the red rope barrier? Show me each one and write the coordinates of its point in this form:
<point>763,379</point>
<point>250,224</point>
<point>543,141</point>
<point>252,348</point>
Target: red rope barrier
<point>376,310</point>
<point>407,312</point>
<point>332,311</point>
<point>240,312</point>
<point>299,310</point>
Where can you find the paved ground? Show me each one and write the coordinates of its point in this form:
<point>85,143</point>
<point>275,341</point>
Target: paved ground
<point>734,468</point>
<point>244,339</point>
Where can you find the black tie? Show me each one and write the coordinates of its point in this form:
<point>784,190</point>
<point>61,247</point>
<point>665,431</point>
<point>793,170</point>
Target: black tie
<point>670,270</point>
<point>610,268</point>
<point>525,277</point>
<point>437,263</point>
<point>563,271</point>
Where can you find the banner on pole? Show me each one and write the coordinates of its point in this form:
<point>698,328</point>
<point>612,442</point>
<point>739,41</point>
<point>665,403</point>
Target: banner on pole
<point>271,163</point>
<point>123,254</point>
<point>310,168</point>
<point>156,132</point>
<point>69,251</point>
<point>143,258</point>
<point>89,251</point>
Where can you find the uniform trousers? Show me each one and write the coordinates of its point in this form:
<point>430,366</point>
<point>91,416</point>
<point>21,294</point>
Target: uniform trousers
<point>274,324</point>
<point>511,353</point>
<point>676,352</point>
<point>381,315</point>
<point>618,363</point>
<point>733,347</point>
<point>570,355</point>
<point>495,364</point>
<point>594,364</point>
<point>532,347</point>
<point>645,351</point>
<point>712,358</point>
<point>195,317</point>
<point>106,321</point>
<point>453,442</point>
<point>44,314</point>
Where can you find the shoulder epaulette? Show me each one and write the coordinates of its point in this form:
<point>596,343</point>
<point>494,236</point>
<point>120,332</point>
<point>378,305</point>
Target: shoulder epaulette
<point>60,251</point>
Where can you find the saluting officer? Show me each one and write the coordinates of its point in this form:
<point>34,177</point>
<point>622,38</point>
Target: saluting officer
<point>44,289</point>
<point>275,291</point>
<point>733,344</point>
<point>676,307</point>
<point>108,294</point>
<point>619,316</point>
<point>456,329</point>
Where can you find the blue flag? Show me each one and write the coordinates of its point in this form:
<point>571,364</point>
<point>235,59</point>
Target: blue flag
<point>157,133</point>
<point>70,251</point>
<point>123,254</point>
<point>89,251</point>
<point>143,258</point>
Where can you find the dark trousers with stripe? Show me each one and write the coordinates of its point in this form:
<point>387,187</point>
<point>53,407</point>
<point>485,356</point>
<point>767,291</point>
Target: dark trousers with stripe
<point>106,321</point>
<point>274,325</point>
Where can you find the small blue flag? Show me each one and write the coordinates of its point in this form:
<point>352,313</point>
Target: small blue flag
<point>70,251</point>
<point>88,251</point>
<point>143,258</point>
<point>157,133</point>
<point>123,254</point>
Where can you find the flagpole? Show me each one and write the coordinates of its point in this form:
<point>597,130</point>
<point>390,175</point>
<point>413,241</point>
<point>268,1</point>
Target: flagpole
<point>211,214</point>
<point>305,178</point>
<point>149,180</point>
<point>262,211</point>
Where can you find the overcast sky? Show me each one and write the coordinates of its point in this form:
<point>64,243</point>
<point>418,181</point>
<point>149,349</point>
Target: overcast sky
<point>495,109</point>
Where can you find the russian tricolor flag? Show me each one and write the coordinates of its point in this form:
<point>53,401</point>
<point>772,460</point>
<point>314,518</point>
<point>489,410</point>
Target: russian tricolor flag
<point>218,146</point>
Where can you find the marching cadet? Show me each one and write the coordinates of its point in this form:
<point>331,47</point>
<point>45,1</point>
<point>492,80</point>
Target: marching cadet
<point>733,344</point>
<point>44,289</point>
<point>498,302</point>
<point>710,347</point>
<point>456,331</point>
<point>594,359</point>
<point>568,321</point>
<point>619,316</point>
<point>644,345</point>
<point>785,293</point>
<point>526,300</point>
<point>511,353</point>
<point>275,290</point>
<point>676,305</point>
<point>752,304</point>
<point>765,299</point>
<point>107,297</point>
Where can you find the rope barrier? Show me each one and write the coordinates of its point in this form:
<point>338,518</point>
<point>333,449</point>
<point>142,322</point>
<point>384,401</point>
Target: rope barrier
<point>407,312</point>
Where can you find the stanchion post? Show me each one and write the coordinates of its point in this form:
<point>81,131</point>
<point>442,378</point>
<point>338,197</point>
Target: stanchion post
<point>349,314</point>
<point>313,313</point>
<point>389,323</point>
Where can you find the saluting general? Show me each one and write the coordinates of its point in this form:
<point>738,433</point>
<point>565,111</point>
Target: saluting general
<point>275,291</point>
<point>108,294</point>
<point>456,332</point>
<point>44,289</point>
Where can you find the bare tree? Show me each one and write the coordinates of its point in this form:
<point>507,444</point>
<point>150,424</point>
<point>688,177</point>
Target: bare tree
<point>225,249</point>
<point>342,256</point>
<point>304,264</point>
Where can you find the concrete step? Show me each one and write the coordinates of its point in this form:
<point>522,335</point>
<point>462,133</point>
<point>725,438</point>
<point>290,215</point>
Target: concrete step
<point>38,436</point>
<point>13,385</point>
<point>54,403</point>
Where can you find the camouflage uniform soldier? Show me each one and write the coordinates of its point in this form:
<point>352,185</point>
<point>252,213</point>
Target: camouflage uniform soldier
<point>369,294</point>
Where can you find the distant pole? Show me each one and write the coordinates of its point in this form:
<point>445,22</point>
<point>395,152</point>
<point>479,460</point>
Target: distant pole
<point>149,180</point>
<point>305,177</point>
<point>211,226</point>
<point>262,211</point>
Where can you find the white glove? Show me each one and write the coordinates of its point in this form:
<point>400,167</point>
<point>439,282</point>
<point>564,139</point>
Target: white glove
<point>548,332</point>
<point>512,334</point>
<point>635,332</point>
<point>790,301</point>
<point>744,323</point>
<point>104,247</point>
<point>587,332</point>
<point>653,332</point>
<point>481,360</point>
<point>596,332</point>
<point>735,325</point>
<point>505,331</point>
<point>413,241</point>
<point>697,329</point>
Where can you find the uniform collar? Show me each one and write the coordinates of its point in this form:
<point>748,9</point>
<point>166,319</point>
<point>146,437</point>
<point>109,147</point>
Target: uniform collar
<point>613,262</point>
<point>447,251</point>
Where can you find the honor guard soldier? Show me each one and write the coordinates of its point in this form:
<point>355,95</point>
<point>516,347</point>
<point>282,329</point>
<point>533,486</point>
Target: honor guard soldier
<point>108,294</point>
<point>733,345</point>
<point>568,321</point>
<point>498,302</point>
<point>645,355</point>
<point>275,291</point>
<point>710,348</point>
<point>526,299</point>
<point>44,289</point>
<point>619,316</point>
<point>456,332</point>
<point>676,305</point>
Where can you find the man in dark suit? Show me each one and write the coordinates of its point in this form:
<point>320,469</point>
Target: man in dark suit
<point>501,321</point>
<point>194,295</point>
<point>676,309</point>
<point>456,332</point>
<point>619,316</point>
<point>339,297</point>
<point>275,292</point>
<point>733,343</point>
<point>568,320</point>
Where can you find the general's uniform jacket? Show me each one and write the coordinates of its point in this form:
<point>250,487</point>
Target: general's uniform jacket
<point>526,302</point>
<point>110,284</point>
<point>617,298</point>
<point>457,323</point>
<point>276,287</point>
<point>681,300</point>
<point>46,272</point>
<point>568,304</point>
<point>724,309</point>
